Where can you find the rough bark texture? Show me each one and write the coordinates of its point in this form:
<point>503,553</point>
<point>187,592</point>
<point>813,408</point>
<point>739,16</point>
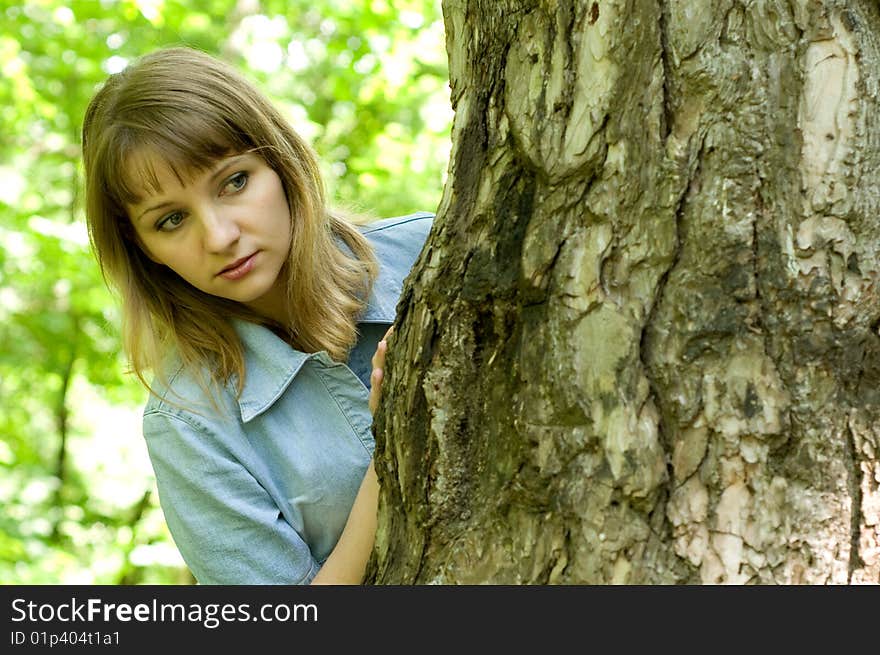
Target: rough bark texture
<point>641,345</point>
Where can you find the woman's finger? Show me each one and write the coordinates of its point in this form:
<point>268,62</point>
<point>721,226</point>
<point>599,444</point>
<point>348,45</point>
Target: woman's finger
<point>378,360</point>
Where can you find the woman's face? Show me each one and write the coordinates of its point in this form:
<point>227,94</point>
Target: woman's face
<point>227,232</point>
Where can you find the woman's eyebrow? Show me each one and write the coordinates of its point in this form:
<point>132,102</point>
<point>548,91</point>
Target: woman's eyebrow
<point>153,208</point>
<point>226,164</point>
<point>218,171</point>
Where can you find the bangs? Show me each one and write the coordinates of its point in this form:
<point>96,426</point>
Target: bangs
<point>187,144</point>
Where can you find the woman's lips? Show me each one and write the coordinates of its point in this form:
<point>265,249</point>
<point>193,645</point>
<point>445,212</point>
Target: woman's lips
<point>238,269</point>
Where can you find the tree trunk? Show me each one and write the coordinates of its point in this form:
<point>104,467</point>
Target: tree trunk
<point>641,345</point>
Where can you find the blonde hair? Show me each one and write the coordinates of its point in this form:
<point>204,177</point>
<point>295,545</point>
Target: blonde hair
<point>191,109</point>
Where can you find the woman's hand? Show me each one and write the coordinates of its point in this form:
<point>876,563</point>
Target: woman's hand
<point>378,373</point>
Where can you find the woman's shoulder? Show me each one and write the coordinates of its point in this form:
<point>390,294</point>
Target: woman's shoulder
<point>182,392</point>
<point>398,241</point>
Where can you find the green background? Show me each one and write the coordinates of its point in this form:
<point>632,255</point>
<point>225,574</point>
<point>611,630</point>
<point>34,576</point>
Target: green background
<point>364,80</point>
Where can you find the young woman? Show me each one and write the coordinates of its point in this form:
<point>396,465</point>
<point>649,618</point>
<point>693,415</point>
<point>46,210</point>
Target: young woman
<point>260,314</point>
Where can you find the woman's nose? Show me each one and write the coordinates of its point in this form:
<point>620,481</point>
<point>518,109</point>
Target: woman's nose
<point>221,231</point>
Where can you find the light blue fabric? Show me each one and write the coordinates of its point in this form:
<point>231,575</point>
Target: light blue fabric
<point>259,492</point>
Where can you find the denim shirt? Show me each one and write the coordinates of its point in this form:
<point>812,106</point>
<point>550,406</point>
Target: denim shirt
<point>259,492</point>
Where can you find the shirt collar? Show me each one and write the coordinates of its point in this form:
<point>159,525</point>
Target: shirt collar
<point>271,364</point>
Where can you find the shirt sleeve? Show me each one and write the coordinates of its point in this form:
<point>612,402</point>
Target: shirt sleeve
<point>225,524</point>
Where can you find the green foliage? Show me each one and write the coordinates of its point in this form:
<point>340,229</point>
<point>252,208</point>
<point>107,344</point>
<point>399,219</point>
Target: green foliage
<point>364,80</point>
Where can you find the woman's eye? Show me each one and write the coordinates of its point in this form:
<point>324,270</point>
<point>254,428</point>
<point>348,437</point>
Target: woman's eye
<point>236,183</point>
<point>170,222</point>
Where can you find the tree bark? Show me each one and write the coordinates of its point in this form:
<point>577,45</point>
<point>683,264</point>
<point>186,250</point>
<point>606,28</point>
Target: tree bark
<point>641,344</point>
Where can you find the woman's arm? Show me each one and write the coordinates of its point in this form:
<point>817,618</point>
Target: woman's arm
<point>220,512</point>
<point>348,561</point>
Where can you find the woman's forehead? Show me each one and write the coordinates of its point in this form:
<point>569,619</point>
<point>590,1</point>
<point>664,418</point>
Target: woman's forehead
<point>148,172</point>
